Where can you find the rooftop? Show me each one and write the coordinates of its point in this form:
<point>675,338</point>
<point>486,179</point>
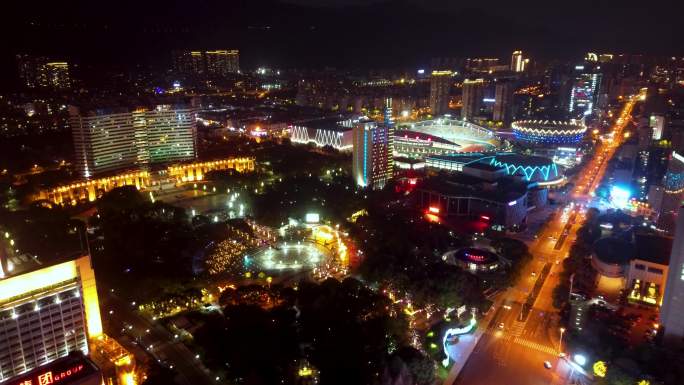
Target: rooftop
<point>653,248</point>
<point>422,136</point>
<point>503,190</point>
<point>613,250</point>
<point>476,256</point>
<point>523,160</point>
<point>330,123</point>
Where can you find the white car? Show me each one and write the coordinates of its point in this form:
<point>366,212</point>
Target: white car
<point>547,365</point>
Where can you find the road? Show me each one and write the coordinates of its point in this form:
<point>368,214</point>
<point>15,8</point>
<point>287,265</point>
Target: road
<point>514,348</point>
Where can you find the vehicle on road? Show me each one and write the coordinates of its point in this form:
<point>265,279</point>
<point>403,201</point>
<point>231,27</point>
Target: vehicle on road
<point>547,365</point>
<point>501,325</point>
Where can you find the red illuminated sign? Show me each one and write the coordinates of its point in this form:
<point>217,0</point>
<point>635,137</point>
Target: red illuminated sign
<point>52,377</point>
<point>475,257</point>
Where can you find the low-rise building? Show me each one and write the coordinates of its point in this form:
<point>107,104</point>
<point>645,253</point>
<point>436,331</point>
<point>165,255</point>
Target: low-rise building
<point>641,265</point>
<point>647,273</point>
<point>502,202</point>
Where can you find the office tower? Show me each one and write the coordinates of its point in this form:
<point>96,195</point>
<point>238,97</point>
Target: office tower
<point>440,84</point>
<point>517,62</point>
<point>196,64</point>
<point>605,58</point>
<point>28,68</point>
<point>481,64</point>
<point>585,91</point>
<point>111,140</point>
<point>206,63</point>
<point>190,63</point>
<point>388,119</point>
<point>40,72</point>
<point>503,101</point>
<point>645,136</point>
<point>473,91</point>
<point>181,61</point>
<point>372,154</point>
<point>56,75</point>
<point>222,62</point>
<point>46,311</point>
<point>591,57</point>
<point>672,311</point>
<point>668,199</point>
<point>657,122</point>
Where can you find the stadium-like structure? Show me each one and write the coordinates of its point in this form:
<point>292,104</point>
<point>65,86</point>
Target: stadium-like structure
<point>549,132</point>
<point>537,169</point>
<point>443,136</point>
<point>324,132</point>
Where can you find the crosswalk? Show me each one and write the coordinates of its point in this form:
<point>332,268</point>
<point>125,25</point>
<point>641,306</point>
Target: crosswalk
<point>516,330</point>
<point>514,334</point>
<point>535,345</point>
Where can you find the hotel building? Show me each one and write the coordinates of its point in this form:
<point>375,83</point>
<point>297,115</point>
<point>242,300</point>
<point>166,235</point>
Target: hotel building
<point>46,312</point>
<point>112,140</point>
<point>213,63</point>
<point>372,155</point>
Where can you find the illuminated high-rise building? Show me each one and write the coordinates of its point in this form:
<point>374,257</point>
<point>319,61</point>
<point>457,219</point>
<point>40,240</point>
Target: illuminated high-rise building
<point>672,310</point>
<point>473,92</point>
<point>40,72</point>
<point>196,62</point>
<point>372,154</point>
<point>45,312</point>
<point>585,92</point>
<point>111,140</point>
<point>222,62</point>
<point>56,75</point>
<point>517,62</point>
<point>440,84</point>
<point>665,200</point>
<point>503,102</point>
<point>170,133</point>
<point>210,63</point>
<point>387,116</point>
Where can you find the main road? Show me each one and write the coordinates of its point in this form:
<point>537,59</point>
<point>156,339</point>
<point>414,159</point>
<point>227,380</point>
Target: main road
<point>519,341</point>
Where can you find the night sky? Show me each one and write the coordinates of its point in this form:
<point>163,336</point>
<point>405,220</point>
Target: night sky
<point>340,33</point>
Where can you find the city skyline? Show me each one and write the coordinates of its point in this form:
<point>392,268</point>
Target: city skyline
<point>342,192</point>
<point>286,32</point>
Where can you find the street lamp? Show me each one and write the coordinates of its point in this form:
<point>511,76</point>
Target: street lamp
<point>560,342</point>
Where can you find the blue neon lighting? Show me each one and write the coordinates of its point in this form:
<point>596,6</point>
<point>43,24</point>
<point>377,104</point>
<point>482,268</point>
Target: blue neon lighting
<point>546,171</point>
<point>548,138</point>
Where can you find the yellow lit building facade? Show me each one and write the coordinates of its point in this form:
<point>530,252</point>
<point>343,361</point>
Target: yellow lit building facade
<point>91,190</point>
<point>195,171</point>
<point>46,313</point>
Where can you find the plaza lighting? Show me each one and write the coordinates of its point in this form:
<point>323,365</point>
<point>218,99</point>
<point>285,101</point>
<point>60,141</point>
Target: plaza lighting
<point>600,369</point>
<point>452,332</point>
